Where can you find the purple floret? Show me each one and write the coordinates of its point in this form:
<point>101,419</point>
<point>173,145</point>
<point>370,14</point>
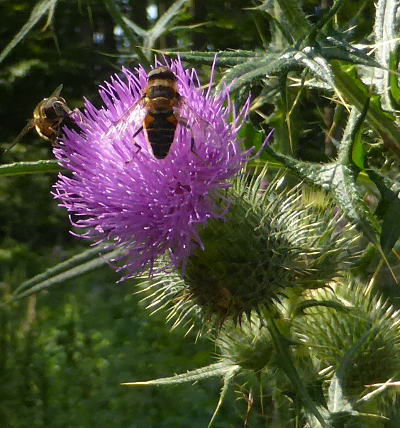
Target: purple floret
<point>125,197</point>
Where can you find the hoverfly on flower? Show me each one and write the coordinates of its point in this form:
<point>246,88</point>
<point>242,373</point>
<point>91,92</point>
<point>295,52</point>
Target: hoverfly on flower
<point>162,105</point>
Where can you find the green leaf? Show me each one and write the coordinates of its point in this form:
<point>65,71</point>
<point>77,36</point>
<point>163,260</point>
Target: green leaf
<point>134,27</point>
<point>312,303</point>
<point>73,267</point>
<point>38,167</point>
<point>388,209</point>
<point>359,153</point>
<point>118,19</point>
<point>213,370</point>
<point>394,78</point>
<point>41,8</point>
<point>160,27</point>
<point>292,18</point>
<point>353,90</point>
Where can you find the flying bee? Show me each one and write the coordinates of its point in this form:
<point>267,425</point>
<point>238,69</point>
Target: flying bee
<point>161,102</point>
<point>49,117</point>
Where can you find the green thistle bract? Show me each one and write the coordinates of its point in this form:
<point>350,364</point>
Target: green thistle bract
<point>250,346</point>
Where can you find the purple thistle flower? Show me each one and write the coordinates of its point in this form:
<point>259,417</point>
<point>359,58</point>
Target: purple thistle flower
<point>126,197</point>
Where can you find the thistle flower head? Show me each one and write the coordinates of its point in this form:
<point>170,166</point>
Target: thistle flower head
<point>122,193</point>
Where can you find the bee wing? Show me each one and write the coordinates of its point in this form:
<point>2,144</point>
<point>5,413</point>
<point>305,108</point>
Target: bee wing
<point>135,114</point>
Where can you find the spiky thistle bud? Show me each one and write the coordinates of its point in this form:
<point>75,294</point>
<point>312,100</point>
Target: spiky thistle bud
<point>361,341</point>
<point>268,242</point>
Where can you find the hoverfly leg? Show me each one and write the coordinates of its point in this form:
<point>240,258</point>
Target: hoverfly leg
<point>138,146</point>
<point>137,132</point>
<point>192,145</point>
<point>184,123</point>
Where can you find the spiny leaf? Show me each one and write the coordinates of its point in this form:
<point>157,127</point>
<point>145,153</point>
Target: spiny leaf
<point>258,67</point>
<point>316,63</point>
<point>41,8</point>
<point>386,43</point>
<point>272,63</point>
<point>224,58</point>
<point>312,303</point>
<point>38,167</point>
<point>326,18</point>
<point>333,47</point>
<point>213,370</point>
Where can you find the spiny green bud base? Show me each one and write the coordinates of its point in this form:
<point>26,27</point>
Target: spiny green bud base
<point>268,242</point>
<point>250,346</point>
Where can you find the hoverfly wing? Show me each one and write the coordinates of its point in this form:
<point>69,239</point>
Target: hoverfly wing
<point>57,91</point>
<point>134,114</point>
<point>30,125</point>
<point>198,118</point>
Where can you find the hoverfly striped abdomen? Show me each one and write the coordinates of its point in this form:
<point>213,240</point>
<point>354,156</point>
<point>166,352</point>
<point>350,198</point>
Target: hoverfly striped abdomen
<point>160,129</point>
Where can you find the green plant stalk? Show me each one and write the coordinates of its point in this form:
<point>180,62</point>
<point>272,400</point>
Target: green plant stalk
<point>37,167</point>
<point>284,353</point>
